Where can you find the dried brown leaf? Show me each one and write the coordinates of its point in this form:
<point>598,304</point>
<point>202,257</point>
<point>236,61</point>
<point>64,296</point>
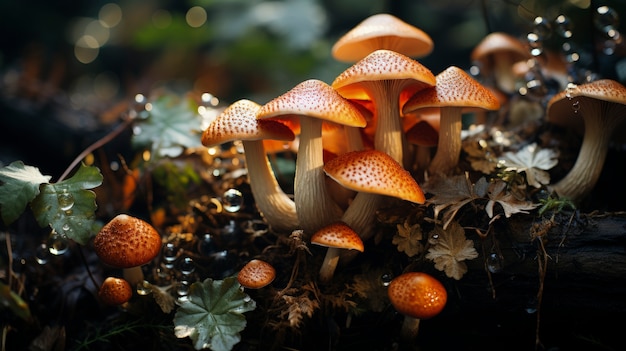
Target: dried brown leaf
<point>451,249</point>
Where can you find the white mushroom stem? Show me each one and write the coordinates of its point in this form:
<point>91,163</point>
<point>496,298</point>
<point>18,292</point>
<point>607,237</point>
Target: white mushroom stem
<point>278,209</point>
<point>133,275</point>
<point>582,178</point>
<point>389,136</point>
<point>314,206</point>
<point>410,328</point>
<point>329,265</point>
<point>360,215</point>
<point>449,145</point>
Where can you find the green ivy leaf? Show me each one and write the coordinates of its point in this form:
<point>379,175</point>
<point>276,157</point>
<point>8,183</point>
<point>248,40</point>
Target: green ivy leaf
<point>68,207</point>
<point>213,315</point>
<point>20,185</point>
<point>172,125</point>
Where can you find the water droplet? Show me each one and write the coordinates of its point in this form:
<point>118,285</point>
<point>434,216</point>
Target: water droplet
<point>386,279</point>
<point>570,90</point>
<point>542,28</point>
<point>535,43</point>
<point>570,52</point>
<point>144,288</point>
<point>66,227</point>
<point>576,106</point>
<point>57,244</point>
<point>232,200</point>
<point>606,19</point>
<point>65,200</point>
<point>531,307</point>
<point>186,266</point>
<point>136,130</point>
<point>170,254</point>
<point>563,26</point>
<point>494,263</point>
<point>42,254</point>
<point>182,290</point>
<point>207,245</point>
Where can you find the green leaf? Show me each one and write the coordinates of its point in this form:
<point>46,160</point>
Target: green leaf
<point>173,124</point>
<point>20,185</point>
<point>213,315</point>
<point>68,207</point>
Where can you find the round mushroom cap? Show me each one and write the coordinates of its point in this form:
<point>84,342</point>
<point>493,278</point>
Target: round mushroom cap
<point>126,242</point>
<point>338,235</point>
<point>417,295</point>
<point>382,31</point>
<point>256,274</point>
<point>115,291</point>
<point>374,171</point>
<point>499,44</point>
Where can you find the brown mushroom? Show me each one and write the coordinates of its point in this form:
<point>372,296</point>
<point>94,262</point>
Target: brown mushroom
<point>127,242</point>
<point>115,291</point>
<point>336,237</point>
<point>238,122</point>
<point>601,106</point>
<point>256,274</point>
<point>382,31</point>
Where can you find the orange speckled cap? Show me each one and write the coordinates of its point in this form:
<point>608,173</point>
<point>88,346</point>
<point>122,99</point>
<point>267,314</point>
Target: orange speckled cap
<point>127,242</point>
<point>115,291</point>
<point>375,172</point>
<point>417,295</point>
<point>256,274</point>
<point>338,235</point>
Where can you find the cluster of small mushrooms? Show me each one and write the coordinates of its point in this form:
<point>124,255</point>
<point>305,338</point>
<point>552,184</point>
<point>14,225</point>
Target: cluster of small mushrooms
<point>362,140</point>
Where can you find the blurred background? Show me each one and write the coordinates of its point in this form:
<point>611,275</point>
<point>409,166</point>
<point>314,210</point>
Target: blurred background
<point>67,68</point>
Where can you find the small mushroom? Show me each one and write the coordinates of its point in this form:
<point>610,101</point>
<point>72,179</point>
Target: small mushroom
<point>313,102</point>
<point>115,291</point>
<point>382,31</point>
<point>127,242</point>
<point>336,237</point>
<point>417,296</point>
<point>381,77</point>
<point>601,107</point>
<point>256,274</point>
<point>454,93</point>
<point>238,122</point>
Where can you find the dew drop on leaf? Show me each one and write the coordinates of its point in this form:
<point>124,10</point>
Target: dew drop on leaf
<point>232,200</point>
<point>66,200</point>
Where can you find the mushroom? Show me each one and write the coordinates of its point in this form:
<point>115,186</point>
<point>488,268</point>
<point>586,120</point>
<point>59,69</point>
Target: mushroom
<point>238,122</point>
<point>454,93</point>
<point>336,237</point>
<point>374,175</point>
<point>601,106</point>
<point>115,291</point>
<point>256,274</point>
<point>496,54</point>
<point>424,136</point>
<point>382,31</point>
<point>417,296</point>
<point>127,242</point>
<point>381,77</point>
<point>313,101</point>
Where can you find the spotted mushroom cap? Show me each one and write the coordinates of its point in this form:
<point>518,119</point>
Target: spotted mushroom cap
<point>338,235</point>
<point>382,31</point>
<point>378,66</point>
<point>314,98</point>
<point>126,242</point>
<point>256,274</point>
<point>115,291</point>
<point>374,171</point>
<point>417,295</point>
<point>454,87</point>
<point>238,122</point>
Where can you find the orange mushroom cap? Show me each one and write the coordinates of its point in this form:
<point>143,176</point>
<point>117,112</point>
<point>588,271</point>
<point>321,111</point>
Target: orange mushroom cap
<point>499,44</point>
<point>373,171</point>
<point>256,274</point>
<point>338,235</point>
<point>115,291</point>
<point>417,295</point>
<point>126,242</point>
<point>382,31</point>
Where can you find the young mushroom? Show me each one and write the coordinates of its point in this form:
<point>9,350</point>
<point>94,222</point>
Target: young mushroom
<point>382,31</point>
<point>115,291</point>
<point>601,105</point>
<point>454,93</point>
<point>127,242</point>
<point>381,77</point>
<point>256,274</point>
<point>336,237</point>
<point>313,102</point>
<point>417,296</point>
<point>238,122</point>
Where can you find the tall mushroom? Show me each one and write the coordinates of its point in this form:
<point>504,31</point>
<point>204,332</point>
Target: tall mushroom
<point>336,237</point>
<point>381,77</point>
<point>382,31</point>
<point>127,242</point>
<point>601,105</point>
<point>313,101</point>
<point>238,122</point>
<point>374,175</point>
<point>454,93</point>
